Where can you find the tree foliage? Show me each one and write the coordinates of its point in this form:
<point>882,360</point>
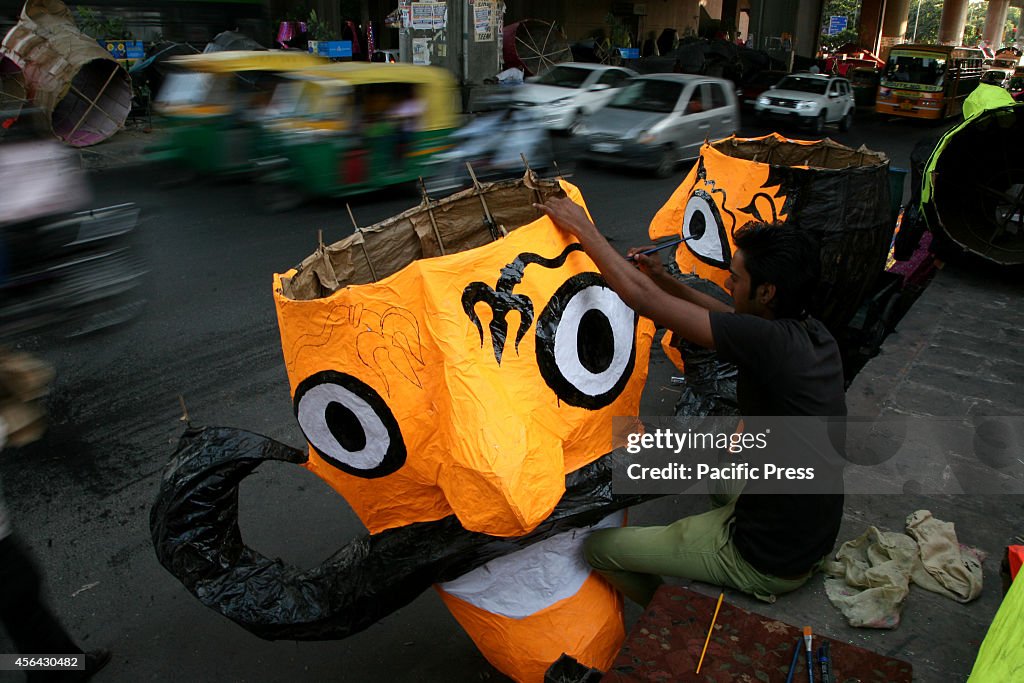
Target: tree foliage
<point>923,21</point>
<point>840,8</point>
<point>99,26</point>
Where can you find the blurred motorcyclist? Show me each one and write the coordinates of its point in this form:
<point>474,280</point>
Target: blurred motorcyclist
<point>494,144</point>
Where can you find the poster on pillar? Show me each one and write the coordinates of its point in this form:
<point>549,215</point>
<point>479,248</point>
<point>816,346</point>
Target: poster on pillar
<point>428,16</point>
<point>483,20</point>
<point>420,51</point>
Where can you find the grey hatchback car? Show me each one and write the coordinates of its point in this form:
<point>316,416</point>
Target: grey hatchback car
<point>657,120</point>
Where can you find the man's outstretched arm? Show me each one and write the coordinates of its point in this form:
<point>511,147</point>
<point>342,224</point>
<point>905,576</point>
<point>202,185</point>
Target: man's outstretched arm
<point>638,291</point>
<point>652,266</point>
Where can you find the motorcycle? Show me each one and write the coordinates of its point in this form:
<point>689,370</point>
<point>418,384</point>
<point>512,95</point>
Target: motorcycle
<point>61,265</point>
<point>497,145</point>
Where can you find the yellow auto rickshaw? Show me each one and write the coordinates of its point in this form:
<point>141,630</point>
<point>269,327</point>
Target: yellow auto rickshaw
<point>213,103</point>
<point>354,127</point>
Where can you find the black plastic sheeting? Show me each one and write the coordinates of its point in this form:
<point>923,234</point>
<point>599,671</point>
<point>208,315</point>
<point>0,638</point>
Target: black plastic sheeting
<point>977,197</point>
<point>709,384</point>
<point>567,669</point>
<point>715,57</point>
<point>232,40</point>
<point>194,526</point>
<point>848,212</point>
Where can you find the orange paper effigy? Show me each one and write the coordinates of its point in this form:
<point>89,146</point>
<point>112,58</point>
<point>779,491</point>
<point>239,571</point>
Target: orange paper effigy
<point>459,418</point>
<point>719,195</point>
<point>838,194</point>
<point>471,384</point>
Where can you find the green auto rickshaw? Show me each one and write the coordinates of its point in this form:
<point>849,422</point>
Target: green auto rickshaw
<point>212,104</point>
<point>354,127</point>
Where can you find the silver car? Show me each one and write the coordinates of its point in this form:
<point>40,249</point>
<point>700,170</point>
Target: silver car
<point>658,120</point>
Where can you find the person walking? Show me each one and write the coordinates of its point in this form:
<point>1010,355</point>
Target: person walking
<point>24,614</point>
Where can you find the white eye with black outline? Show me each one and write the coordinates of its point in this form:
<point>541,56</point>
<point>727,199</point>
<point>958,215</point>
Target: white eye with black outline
<point>704,232</point>
<point>586,342</point>
<point>349,425</point>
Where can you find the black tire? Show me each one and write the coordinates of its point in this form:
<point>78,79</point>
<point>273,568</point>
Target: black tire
<point>818,125</point>
<point>846,122</point>
<point>666,163</point>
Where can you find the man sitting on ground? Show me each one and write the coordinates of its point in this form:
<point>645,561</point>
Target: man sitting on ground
<point>789,365</point>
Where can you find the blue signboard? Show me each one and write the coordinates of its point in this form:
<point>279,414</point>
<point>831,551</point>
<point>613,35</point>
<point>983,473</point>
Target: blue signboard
<point>331,48</point>
<point>629,52</point>
<point>124,49</point>
<point>836,25</point>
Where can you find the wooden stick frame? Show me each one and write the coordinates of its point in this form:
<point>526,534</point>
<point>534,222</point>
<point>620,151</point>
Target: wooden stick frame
<point>488,218</point>
<point>430,214</point>
<point>362,244</point>
<point>92,102</point>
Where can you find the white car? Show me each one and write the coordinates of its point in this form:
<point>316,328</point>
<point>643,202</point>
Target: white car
<point>563,95</point>
<point>997,77</point>
<point>810,99</point>
<point>385,56</point>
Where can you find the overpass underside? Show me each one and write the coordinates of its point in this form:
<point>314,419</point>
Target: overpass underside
<point>773,25</point>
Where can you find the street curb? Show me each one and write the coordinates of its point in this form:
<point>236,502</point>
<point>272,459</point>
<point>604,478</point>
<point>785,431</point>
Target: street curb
<point>125,149</point>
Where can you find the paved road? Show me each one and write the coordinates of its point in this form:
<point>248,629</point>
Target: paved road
<point>209,335</point>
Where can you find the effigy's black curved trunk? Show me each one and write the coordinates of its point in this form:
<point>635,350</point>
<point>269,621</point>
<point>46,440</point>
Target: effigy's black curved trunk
<point>195,532</point>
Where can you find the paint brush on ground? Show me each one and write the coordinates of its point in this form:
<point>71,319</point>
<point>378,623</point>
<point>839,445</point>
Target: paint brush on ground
<point>810,654</point>
<point>710,629</point>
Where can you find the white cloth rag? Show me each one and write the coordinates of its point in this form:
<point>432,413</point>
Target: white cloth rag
<point>871,575</point>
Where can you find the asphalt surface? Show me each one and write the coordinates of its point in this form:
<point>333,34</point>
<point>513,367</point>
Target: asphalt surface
<point>208,340</point>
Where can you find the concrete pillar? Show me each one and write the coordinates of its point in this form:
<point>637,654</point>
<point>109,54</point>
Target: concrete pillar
<point>869,28</point>
<point>995,22</point>
<point>951,26</point>
<point>807,28</point>
<point>894,26</point>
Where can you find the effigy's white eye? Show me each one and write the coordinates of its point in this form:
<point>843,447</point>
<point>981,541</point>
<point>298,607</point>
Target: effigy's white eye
<point>704,231</point>
<point>349,425</point>
<point>586,342</point>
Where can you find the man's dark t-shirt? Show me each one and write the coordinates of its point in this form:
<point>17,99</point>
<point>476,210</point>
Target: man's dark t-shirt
<point>787,367</point>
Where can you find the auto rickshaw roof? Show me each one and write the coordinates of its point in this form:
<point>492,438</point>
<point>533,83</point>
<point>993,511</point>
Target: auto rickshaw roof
<point>232,61</point>
<point>360,73</point>
<point>434,85</point>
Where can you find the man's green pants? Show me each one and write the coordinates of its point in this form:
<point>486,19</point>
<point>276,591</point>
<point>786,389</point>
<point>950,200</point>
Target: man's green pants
<point>700,547</point>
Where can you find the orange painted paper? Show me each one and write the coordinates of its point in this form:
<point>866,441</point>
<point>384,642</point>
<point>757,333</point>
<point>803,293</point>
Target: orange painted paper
<point>466,434</point>
<point>588,626</point>
<point>719,195</point>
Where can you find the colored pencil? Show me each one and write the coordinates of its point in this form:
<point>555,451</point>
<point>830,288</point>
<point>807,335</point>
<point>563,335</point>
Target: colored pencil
<point>710,629</point>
